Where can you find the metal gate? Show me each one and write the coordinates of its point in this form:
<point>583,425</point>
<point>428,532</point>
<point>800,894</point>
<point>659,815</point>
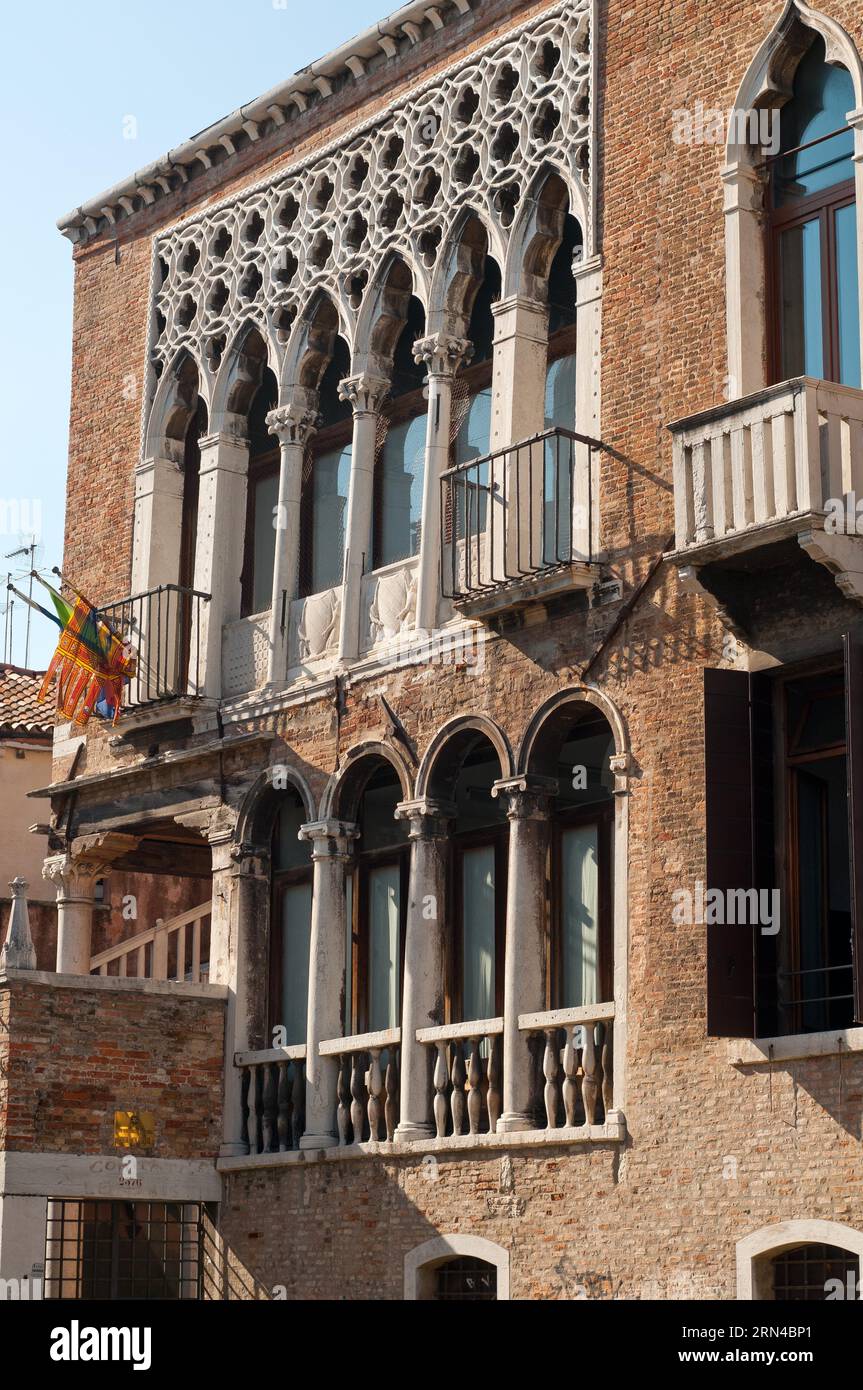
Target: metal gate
<point>124,1250</point>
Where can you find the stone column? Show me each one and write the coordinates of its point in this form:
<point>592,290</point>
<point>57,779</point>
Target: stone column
<point>745,279</point>
<point>425,959</point>
<point>586,532</point>
<point>331,849</point>
<point>366,394</point>
<point>75,874</point>
<point>442,355</point>
<point>238,959</point>
<point>518,413</point>
<point>219,548</point>
<point>528,809</point>
<point>294,424</point>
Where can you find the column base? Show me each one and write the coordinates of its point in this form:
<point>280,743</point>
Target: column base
<point>515,1122</point>
<point>410,1131</point>
<point>319,1141</point>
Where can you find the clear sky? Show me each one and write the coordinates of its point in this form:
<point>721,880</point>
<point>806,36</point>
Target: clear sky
<point>71,76</point>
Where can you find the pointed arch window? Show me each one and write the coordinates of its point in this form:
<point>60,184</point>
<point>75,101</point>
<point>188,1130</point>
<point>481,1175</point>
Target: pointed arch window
<point>326,482</point>
<point>291,921</point>
<point>262,500</point>
<point>812,229</point>
<point>400,465</point>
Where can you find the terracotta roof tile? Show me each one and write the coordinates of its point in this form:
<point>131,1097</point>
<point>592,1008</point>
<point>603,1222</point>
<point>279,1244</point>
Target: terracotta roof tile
<point>19,708</point>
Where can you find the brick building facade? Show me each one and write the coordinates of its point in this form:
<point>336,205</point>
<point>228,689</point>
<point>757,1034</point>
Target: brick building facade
<point>457,419</point>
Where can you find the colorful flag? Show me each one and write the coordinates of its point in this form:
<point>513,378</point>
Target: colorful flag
<point>90,666</point>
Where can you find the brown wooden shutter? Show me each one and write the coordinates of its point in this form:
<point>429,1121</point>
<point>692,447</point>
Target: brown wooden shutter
<point>730,854</point>
<point>854,728</point>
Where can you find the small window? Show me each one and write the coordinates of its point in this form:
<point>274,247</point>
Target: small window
<point>465,1280</point>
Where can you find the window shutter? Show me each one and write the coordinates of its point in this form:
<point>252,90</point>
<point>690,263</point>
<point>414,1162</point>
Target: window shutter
<point>854,727</point>
<point>730,842</point>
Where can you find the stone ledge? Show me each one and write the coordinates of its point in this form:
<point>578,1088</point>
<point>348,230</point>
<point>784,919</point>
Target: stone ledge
<point>181,989</point>
<point>614,1132</point>
<point>746,1052</point>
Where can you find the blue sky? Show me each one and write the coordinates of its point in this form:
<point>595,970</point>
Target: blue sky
<point>71,76</point>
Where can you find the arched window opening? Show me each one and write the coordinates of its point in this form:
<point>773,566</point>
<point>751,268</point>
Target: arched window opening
<point>812,229</point>
<point>291,917</point>
<point>560,395</point>
<point>401,459</point>
<point>326,480</point>
<point>377,907</point>
<point>263,497</point>
<point>575,747</point>
<point>465,1279</point>
<point>471,424</point>
<point>478,887</point>
<point>195,432</point>
<point>813,1274</point>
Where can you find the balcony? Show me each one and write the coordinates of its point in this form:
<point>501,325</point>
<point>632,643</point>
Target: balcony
<point>759,472</point>
<point>165,627</point>
<point>519,524</point>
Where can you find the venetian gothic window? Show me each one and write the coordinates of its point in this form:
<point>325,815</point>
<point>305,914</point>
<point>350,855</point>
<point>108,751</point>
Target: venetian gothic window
<point>326,482</point>
<point>812,229</point>
<point>400,466</point>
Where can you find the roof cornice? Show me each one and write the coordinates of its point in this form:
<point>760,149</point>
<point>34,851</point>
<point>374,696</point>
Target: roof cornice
<point>385,42</point>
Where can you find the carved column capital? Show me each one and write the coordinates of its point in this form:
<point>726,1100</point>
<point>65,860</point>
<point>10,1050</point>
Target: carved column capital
<point>621,768</point>
<point>365,392</point>
<point>296,422</point>
<point>528,796</point>
<point>428,819</point>
<point>331,839</point>
<point>74,873</point>
<point>442,353</point>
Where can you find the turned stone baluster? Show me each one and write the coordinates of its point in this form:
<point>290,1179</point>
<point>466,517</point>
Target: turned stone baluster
<point>298,1104</point>
<point>391,1085</point>
<point>375,1088</point>
<point>570,1072</point>
<point>494,1097</point>
<point>343,1090</point>
<point>358,1089</point>
<point>283,1122</point>
<point>268,1107</point>
<point>474,1081</point>
<point>458,1080</point>
<point>549,1071</point>
<point>441,1078</point>
<point>607,1070</point>
<point>253,1110</point>
<point>591,1067</point>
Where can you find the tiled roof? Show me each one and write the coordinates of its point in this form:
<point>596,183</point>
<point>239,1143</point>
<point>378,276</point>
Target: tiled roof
<point>19,708</point>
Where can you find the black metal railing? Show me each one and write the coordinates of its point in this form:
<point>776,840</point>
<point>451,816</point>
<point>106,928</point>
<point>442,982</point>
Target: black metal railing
<point>164,627</point>
<point>517,512</point>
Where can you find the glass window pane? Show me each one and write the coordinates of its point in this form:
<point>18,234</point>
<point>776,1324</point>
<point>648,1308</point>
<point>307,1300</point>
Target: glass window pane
<point>290,851</point>
<point>402,467</point>
<point>823,96</point>
<point>847,295</point>
<point>560,393</point>
<point>296,930</point>
<point>800,284</point>
<point>473,440</point>
<point>478,894</point>
<point>266,501</point>
<point>349,951</point>
<point>331,476</point>
<point>384,896</point>
<point>579,916</point>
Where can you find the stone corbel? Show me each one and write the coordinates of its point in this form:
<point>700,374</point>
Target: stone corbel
<point>841,555</point>
<point>690,583</point>
<point>622,768</point>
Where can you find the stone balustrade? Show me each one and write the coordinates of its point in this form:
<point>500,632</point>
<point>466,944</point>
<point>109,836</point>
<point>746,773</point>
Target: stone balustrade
<point>771,458</point>
<point>467,1076</point>
<point>274,1098</point>
<point>368,1085</point>
<point>575,1062</point>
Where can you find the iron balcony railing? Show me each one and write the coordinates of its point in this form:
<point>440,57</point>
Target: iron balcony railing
<point>164,627</point>
<point>518,512</point>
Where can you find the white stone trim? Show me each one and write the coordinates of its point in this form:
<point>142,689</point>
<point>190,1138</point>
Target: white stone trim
<point>792,1047</point>
<point>785,1235</point>
<point>431,1253</point>
<point>99,1175</point>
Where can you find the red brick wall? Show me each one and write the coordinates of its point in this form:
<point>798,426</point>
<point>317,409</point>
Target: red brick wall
<point>70,1057</point>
